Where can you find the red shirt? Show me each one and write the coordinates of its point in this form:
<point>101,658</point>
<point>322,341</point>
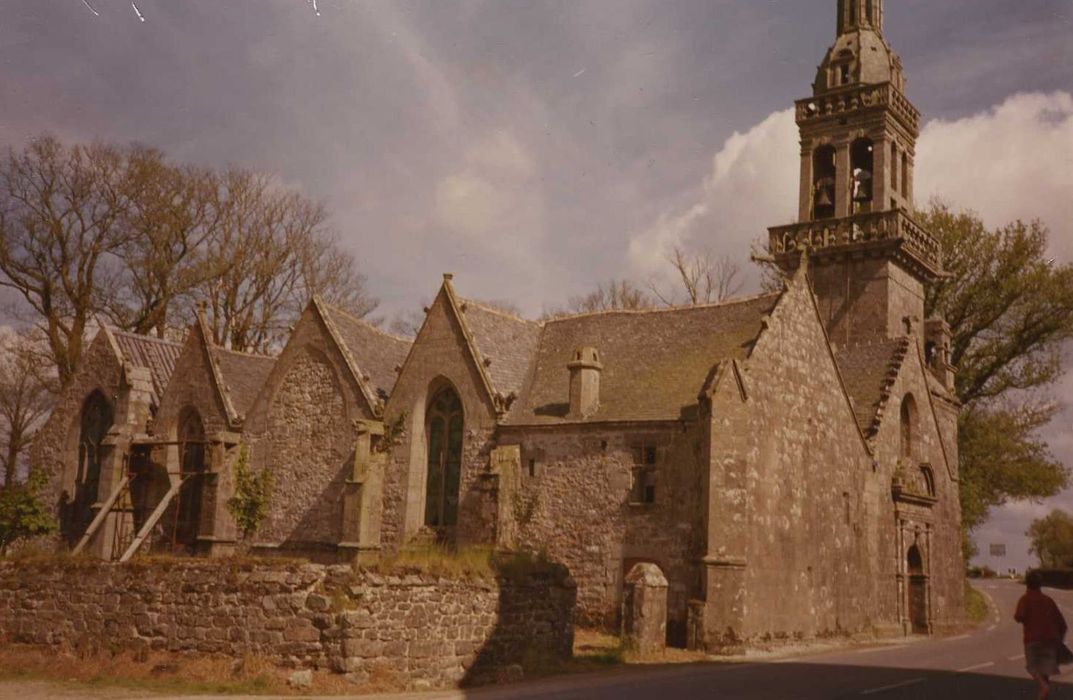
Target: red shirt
<point>1042,619</point>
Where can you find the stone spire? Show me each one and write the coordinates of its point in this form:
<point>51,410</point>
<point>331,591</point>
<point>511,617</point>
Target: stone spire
<point>868,259</point>
<point>855,14</point>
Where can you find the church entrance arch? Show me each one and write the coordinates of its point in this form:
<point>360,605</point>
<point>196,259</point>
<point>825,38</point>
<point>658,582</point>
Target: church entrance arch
<point>94,422</point>
<point>192,466</point>
<point>918,591</point>
<point>444,429</point>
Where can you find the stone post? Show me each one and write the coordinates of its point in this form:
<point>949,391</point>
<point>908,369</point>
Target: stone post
<point>506,464</point>
<point>644,609</point>
<point>361,495</point>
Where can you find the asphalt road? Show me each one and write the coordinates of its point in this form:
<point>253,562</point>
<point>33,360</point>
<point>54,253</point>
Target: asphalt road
<point>985,664</point>
<point>988,663</point>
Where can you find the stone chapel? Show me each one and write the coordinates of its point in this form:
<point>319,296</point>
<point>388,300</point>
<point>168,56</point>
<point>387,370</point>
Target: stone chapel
<point>788,461</point>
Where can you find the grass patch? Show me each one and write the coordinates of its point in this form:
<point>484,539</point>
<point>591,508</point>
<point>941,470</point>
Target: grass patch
<point>976,608</point>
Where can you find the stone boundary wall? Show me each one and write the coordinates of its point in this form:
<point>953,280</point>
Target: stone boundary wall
<point>430,631</point>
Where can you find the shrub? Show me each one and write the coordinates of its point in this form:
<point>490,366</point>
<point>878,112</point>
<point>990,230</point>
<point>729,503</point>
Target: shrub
<point>253,492</point>
<point>23,513</point>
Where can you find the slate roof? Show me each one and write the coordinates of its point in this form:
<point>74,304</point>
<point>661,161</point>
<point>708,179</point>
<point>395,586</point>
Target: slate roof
<point>868,371</point>
<point>655,361</point>
<point>506,344</point>
<point>375,352</point>
<point>156,354</point>
<point>243,375</point>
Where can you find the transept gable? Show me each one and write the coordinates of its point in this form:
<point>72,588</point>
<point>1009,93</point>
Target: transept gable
<point>427,354</point>
<point>798,314</point>
<point>912,376</point>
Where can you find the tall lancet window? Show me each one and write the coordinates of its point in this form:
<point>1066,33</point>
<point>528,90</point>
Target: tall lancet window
<point>444,431</point>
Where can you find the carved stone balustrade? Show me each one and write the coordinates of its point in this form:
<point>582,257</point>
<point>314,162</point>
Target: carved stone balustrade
<point>856,97</point>
<point>885,230</point>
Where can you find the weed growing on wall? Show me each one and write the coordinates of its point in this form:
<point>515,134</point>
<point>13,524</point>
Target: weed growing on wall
<point>394,431</point>
<point>253,492</point>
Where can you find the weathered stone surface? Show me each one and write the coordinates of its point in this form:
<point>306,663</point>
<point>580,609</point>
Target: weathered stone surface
<point>219,608</point>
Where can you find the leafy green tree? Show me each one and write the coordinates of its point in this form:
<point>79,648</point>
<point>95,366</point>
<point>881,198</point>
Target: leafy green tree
<point>1010,307</point>
<point>23,511</point>
<point>253,493</point>
<point>1052,539</point>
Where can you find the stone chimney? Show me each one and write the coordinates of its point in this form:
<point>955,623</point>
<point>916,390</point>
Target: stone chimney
<point>585,371</point>
<point>937,341</point>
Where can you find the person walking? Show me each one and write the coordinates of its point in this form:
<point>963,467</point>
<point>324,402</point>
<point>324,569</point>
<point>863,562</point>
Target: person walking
<point>1044,630</point>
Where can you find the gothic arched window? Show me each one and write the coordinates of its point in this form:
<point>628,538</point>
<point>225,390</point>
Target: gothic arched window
<point>94,423</point>
<point>908,425</point>
<point>443,426</point>
<point>192,464</point>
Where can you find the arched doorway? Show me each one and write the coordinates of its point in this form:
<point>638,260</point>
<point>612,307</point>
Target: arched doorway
<point>192,465</point>
<point>918,591</point>
<point>94,423</point>
<point>443,426</point>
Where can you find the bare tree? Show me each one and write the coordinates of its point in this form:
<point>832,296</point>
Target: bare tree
<point>172,216</point>
<point>615,295</point>
<point>60,230</point>
<point>704,278</point>
<point>271,253</point>
<point>24,398</point>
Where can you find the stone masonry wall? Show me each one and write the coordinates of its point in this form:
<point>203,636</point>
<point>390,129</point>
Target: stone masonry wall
<point>575,504</point>
<point>309,449</point>
<point>430,631</point>
<point>809,568</point>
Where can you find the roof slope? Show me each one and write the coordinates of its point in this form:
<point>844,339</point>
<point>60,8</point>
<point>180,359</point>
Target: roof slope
<point>506,344</point>
<point>655,362</point>
<point>243,375</point>
<point>157,355</point>
<point>375,352</point>
<point>869,370</point>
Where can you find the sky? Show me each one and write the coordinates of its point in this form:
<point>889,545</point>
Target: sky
<point>537,148</point>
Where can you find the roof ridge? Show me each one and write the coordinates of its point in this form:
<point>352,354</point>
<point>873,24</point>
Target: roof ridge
<point>664,309</point>
<point>340,310</point>
<point>142,336</point>
<point>240,353</point>
<point>500,312</point>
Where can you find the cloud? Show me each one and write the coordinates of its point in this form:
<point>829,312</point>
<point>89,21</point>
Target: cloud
<point>1012,161</point>
<point>492,198</point>
<point>752,185</point>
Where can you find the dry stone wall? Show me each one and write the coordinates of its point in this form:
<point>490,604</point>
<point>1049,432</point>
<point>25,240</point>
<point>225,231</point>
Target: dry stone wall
<point>427,630</point>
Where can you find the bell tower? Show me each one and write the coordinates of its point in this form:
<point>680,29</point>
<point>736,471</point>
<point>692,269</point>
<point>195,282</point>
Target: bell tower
<point>869,260</point>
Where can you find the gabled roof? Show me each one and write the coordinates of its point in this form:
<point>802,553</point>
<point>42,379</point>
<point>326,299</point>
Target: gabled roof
<point>868,371</point>
<point>506,345</point>
<point>157,355</point>
<point>242,376</point>
<point>655,362</point>
<point>372,354</point>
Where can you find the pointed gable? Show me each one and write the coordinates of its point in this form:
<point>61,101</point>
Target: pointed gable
<point>868,371</point>
<point>157,355</point>
<point>372,353</point>
<point>655,362</point>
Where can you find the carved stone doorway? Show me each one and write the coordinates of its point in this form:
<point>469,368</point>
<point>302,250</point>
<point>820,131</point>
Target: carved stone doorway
<point>918,592</point>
